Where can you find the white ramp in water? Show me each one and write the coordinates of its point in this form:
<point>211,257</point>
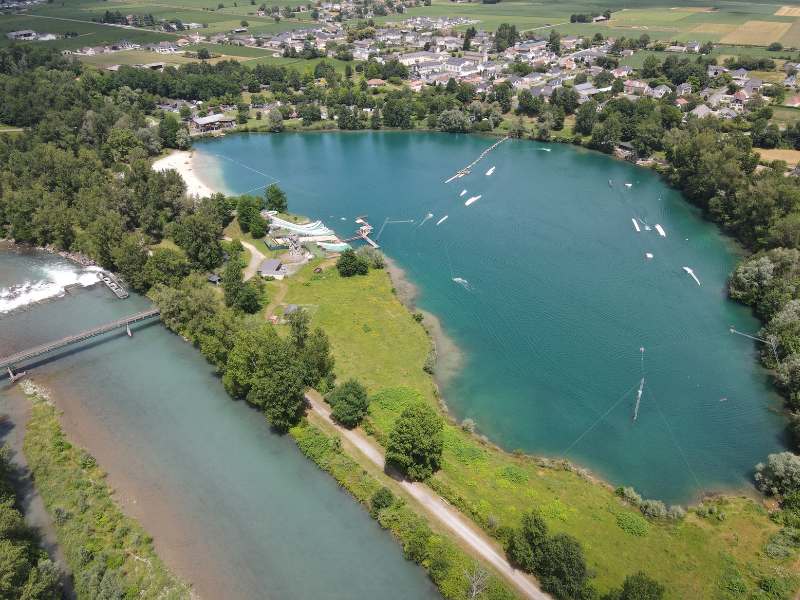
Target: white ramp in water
<point>636,224</point>
<point>691,274</point>
<point>472,199</point>
<point>442,220</point>
<point>490,172</point>
<point>627,185</point>
<point>462,193</point>
<point>660,230</point>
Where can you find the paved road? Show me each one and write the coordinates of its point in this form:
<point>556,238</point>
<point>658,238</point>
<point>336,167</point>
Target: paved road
<point>448,516</point>
<point>255,259</point>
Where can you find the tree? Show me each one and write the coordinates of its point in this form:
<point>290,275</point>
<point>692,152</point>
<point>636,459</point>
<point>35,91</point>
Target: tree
<point>505,37</point>
<point>262,368</point>
<point>606,135</point>
<point>586,118</point>
<point>198,234</point>
<point>350,264</point>
<point>637,587</point>
<point>397,112</point>
<point>165,266</point>
<point>416,441</point>
<point>781,474</point>
<point>250,297</point>
<point>130,257</point>
<point>203,54</point>
<point>275,120</point>
<point>562,566</point>
<point>651,66</point>
<point>375,121</point>
<point>453,121</point>
<point>276,198</point>
<point>555,41</point>
<point>317,361</point>
<point>528,104</point>
<point>298,328</point>
<point>168,129</point>
<point>350,403</point>
<point>232,282</point>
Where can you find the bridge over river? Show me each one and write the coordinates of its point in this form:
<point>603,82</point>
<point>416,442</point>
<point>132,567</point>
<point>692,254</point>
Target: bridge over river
<point>12,361</point>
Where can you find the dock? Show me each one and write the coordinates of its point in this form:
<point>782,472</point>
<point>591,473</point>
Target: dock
<point>113,284</point>
<point>466,170</point>
<point>363,232</point>
<point>13,360</point>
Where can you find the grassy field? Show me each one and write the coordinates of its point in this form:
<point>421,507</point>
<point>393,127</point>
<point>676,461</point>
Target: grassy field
<point>791,157</point>
<point>695,558</point>
<point>93,532</point>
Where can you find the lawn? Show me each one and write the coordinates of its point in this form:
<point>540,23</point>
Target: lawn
<point>790,157</point>
<point>696,557</point>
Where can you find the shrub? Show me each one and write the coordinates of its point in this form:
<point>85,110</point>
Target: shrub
<point>632,524</point>
<point>382,498</point>
<point>676,512</point>
<point>629,495</point>
<point>781,544</point>
<point>468,425</point>
<point>373,257</point>
<point>653,509</point>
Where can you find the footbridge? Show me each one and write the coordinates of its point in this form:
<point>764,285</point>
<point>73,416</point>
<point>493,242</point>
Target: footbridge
<point>14,360</point>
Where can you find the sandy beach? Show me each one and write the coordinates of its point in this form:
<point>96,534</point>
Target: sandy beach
<point>181,161</point>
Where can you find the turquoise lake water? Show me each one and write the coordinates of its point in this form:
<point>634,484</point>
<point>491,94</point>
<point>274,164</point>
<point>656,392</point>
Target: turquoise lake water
<point>240,511</point>
<point>544,285</point>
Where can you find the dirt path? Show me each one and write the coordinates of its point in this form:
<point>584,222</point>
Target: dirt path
<point>448,516</point>
<point>277,298</point>
<point>255,259</point>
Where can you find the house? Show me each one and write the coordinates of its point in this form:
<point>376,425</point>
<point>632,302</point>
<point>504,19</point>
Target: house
<point>714,71</point>
<point>740,75</point>
<point>636,87</point>
<point>599,19</point>
<point>214,278</point>
<point>790,81</point>
<point>683,89</point>
<point>416,58</point>
<point>693,47</point>
<point>660,91</point>
<point>271,267</point>
<point>415,85</point>
<point>681,103</point>
<point>213,122</point>
<point>375,83</point>
<point>460,66</point>
<point>621,72</point>
<point>163,48</point>
<point>675,49</point>
<point>701,111</point>
<point>25,35</point>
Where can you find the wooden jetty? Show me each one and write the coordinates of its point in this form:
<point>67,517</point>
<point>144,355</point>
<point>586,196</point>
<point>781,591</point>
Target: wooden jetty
<point>10,362</point>
<point>363,232</point>
<point>113,284</point>
<point>466,170</point>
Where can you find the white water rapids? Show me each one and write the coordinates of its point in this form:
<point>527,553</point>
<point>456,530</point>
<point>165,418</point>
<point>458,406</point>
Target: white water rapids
<point>52,284</point>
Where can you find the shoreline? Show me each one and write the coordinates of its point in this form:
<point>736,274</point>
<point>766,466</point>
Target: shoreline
<point>182,161</point>
<point>171,535</point>
<point>449,358</point>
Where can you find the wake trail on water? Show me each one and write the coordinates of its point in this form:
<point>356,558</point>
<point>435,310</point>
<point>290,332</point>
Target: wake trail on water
<point>52,285</point>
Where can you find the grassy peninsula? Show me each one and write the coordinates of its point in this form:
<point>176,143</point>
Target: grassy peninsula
<point>718,550</point>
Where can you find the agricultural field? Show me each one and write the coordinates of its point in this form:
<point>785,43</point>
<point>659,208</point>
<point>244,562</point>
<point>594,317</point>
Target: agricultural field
<point>734,22</point>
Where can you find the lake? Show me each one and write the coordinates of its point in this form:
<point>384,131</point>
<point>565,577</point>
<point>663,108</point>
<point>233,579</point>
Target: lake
<point>548,289</point>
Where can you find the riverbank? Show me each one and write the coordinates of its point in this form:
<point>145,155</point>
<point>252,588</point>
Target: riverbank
<point>181,161</point>
<point>105,549</point>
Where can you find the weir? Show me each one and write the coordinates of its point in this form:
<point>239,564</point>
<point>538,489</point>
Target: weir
<point>10,362</point>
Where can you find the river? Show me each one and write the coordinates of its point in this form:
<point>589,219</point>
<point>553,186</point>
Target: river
<point>547,289</point>
<point>233,508</point>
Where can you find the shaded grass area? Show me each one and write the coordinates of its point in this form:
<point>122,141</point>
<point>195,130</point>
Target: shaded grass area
<point>109,554</point>
<point>375,340</point>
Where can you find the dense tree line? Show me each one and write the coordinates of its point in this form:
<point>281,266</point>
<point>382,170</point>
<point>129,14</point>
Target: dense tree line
<point>26,572</point>
<point>256,364</point>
